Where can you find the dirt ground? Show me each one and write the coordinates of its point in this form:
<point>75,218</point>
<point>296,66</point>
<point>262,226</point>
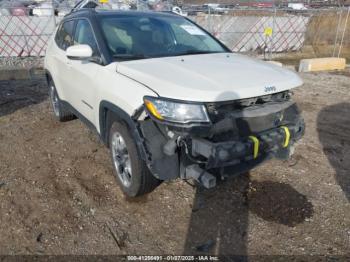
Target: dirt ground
<point>58,194</point>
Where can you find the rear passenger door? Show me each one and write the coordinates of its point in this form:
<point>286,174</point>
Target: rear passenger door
<point>83,73</point>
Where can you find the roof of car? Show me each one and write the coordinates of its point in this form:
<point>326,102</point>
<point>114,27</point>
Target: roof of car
<point>85,12</point>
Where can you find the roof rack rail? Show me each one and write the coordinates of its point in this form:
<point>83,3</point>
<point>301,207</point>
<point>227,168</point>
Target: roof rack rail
<point>84,5</point>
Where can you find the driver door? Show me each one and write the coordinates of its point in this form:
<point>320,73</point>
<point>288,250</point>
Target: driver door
<point>84,72</point>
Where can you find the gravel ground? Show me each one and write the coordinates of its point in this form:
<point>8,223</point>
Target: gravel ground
<point>20,62</point>
<point>58,194</point>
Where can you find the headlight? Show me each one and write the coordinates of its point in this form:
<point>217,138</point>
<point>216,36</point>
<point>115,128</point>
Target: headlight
<point>176,111</point>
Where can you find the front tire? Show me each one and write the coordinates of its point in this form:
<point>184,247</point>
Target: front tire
<point>60,112</point>
<point>130,170</point>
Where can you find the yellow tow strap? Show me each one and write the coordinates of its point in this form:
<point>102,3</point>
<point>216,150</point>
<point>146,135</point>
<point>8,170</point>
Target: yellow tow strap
<point>256,146</point>
<point>287,139</point>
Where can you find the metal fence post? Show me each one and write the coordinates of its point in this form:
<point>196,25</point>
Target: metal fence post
<point>273,32</point>
<point>209,19</point>
<point>345,26</point>
<point>25,36</point>
<point>53,14</point>
<point>337,32</point>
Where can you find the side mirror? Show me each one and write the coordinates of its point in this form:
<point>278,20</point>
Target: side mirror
<point>79,52</point>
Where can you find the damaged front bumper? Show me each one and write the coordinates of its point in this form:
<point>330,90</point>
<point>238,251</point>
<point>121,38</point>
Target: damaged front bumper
<point>253,147</point>
<point>238,139</point>
<point>235,157</point>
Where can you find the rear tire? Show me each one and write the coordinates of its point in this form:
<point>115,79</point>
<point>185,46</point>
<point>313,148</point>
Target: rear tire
<point>131,171</point>
<point>59,110</point>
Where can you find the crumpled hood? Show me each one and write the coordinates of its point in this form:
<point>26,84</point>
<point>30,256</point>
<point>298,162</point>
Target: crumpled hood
<point>210,77</point>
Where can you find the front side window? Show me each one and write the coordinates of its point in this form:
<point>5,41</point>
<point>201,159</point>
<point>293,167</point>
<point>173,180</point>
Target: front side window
<point>85,36</point>
<point>137,37</point>
<point>64,35</point>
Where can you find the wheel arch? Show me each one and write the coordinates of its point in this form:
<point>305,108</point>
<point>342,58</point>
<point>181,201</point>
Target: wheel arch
<point>48,76</point>
<point>109,112</point>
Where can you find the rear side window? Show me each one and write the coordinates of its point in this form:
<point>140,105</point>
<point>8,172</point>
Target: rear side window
<point>64,35</point>
<point>85,36</point>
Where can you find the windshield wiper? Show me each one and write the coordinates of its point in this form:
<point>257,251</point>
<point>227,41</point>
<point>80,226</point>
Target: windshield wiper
<point>197,52</point>
<point>125,57</point>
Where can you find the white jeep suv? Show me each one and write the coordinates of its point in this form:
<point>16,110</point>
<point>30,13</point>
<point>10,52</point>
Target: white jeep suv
<point>168,99</point>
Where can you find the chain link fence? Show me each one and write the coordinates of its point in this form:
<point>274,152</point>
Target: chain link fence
<point>278,33</point>
<point>271,33</point>
<point>22,36</point>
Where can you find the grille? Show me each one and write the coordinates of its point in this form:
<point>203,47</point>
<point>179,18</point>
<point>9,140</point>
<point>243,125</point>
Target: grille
<point>218,110</point>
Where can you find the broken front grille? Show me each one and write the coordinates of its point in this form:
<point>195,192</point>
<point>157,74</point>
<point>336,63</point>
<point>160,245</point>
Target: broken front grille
<point>218,110</point>
<point>241,118</point>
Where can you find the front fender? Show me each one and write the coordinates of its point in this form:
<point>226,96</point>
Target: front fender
<point>109,112</point>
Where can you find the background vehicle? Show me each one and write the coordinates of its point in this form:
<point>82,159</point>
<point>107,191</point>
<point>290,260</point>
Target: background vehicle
<point>168,99</point>
<point>15,8</point>
<point>44,9</point>
<point>297,6</point>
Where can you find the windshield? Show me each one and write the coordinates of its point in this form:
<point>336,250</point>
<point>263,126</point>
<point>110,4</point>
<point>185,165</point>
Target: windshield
<point>138,37</point>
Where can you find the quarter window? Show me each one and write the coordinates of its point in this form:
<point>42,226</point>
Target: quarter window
<point>64,35</point>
